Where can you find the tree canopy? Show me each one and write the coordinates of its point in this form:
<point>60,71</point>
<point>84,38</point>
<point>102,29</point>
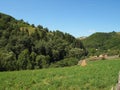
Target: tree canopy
<point>25,46</point>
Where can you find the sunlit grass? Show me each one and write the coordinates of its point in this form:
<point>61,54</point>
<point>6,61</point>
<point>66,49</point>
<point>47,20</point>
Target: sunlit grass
<point>97,75</point>
<point>30,29</point>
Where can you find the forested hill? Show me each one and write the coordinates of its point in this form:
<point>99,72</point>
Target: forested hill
<point>25,46</point>
<point>103,43</point>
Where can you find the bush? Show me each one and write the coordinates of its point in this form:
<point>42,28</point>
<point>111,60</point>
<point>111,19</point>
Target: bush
<point>65,62</point>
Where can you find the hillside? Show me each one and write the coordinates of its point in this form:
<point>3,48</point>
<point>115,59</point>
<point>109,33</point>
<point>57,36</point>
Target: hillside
<point>24,46</point>
<point>103,43</point>
<point>98,75</point>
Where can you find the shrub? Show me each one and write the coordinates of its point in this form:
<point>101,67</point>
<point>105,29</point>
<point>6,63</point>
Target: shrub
<point>65,62</point>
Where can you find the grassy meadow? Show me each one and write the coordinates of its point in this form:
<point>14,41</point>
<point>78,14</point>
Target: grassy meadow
<point>97,75</point>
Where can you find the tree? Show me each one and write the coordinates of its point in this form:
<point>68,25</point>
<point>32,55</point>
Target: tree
<point>28,47</point>
<point>24,60</point>
<point>42,61</point>
<point>40,26</point>
<point>76,53</point>
<point>32,59</point>
<point>40,47</point>
<point>55,55</point>
<point>7,61</point>
<point>33,25</point>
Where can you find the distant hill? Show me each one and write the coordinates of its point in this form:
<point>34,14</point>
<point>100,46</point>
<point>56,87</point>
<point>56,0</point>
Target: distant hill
<point>25,46</point>
<point>101,43</point>
<point>82,38</point>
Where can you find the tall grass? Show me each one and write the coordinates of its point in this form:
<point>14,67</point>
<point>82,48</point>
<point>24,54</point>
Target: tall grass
<point>97,75</point>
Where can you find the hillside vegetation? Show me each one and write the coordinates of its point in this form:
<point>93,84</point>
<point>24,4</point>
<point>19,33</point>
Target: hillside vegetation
<point>98,75</point>
<point>24,46</point>
<point>103,43</point>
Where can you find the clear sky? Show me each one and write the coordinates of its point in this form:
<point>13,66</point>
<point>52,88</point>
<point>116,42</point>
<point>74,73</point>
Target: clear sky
<point>77,17</point>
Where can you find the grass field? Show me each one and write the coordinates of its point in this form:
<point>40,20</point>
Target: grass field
<point>97,75</point>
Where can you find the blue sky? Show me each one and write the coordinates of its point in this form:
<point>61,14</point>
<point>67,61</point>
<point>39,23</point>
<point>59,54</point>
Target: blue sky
<point>77,17</point>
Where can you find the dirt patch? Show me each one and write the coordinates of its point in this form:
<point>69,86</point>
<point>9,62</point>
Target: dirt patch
<point>82,63</point>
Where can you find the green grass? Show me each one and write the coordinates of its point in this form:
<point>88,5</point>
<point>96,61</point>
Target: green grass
<point>97,75</point>
<point>30,29</point>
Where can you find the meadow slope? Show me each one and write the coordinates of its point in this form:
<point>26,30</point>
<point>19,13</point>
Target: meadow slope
<point>97,75</point>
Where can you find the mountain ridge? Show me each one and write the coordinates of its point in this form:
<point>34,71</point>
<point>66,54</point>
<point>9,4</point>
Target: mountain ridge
<point>103,42</point>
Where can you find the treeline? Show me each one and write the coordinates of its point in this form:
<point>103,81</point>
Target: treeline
<point>24,46</point>
<point>103,43</point>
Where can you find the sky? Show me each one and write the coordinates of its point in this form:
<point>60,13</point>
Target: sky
<point>77,17</point>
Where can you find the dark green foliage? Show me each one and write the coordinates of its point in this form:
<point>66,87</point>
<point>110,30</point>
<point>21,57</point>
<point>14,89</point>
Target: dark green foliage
<point>65,62</point>
<point>76,52</point>
<point>42,61</point>
<point>24,46</point>
<point>7,61</point>
<point>103,43</point>
<point>23,61</point>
